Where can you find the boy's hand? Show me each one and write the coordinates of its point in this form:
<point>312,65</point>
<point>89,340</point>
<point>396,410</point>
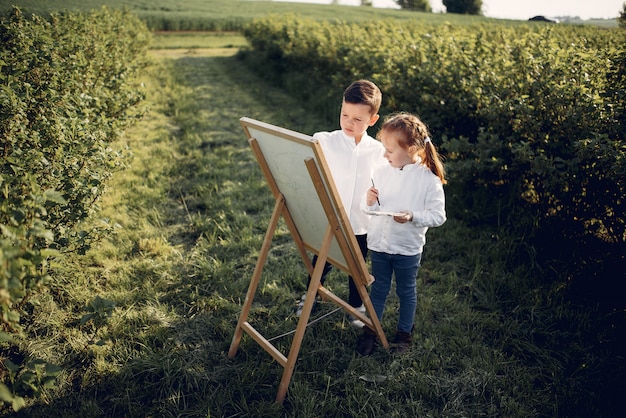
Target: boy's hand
<point>372,196</point>
<point>404,218</point>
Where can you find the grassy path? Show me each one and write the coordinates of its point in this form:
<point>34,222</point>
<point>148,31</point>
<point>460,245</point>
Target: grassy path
<point>192,209</point>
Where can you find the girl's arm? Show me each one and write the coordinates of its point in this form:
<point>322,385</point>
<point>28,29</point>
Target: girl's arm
<point>407,216</point>
<point>434,213</point>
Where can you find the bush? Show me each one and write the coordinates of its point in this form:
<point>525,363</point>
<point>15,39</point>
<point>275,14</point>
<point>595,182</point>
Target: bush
<point>67,93</point>
<point>525,113</point>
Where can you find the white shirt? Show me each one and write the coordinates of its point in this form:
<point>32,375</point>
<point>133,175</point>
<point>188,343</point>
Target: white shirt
<point>351,167</point>
<point>414,188</point>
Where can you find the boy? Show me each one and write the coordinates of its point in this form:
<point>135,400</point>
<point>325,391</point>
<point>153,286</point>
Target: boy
<point>352,155</point>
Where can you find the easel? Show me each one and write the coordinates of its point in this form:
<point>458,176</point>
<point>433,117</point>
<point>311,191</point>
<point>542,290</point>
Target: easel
<point>336,244</point>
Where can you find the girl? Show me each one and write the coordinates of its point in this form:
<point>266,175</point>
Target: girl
<point>408,194</point>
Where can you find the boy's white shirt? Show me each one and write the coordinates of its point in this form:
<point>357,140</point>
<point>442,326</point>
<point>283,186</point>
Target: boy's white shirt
<point>414,188</point>
<point>351,167</point>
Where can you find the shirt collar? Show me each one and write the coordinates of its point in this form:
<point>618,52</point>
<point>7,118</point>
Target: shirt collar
<point>409,167</point>
<point>351,138</point>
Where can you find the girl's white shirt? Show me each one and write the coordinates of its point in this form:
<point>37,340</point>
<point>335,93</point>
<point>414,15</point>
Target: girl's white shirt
<point>414,188</point>
<point>351,167</point>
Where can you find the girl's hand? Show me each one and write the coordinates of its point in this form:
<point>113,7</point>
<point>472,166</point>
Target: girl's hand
<point>372,196</point>
<point>404,218</point>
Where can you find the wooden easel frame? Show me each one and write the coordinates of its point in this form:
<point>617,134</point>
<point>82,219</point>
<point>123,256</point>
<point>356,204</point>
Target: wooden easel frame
<point>346,254</point>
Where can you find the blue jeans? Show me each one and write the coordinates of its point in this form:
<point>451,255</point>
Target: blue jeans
<point>405,269</point>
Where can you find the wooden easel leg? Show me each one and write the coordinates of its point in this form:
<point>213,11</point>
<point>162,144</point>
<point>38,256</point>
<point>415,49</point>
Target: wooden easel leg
<point>370,321</point>
<point>356,263</point>
<point>304,317</point>
<point>258,269</point>
<point>375,323</point>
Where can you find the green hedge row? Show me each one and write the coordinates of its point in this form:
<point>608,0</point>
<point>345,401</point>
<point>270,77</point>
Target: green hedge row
<point>66,92</point>
<point>182,21</point>
<point>531,118</point>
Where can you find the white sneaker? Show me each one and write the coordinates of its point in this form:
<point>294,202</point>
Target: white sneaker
<point>300,305</point>
<point>355,322</point>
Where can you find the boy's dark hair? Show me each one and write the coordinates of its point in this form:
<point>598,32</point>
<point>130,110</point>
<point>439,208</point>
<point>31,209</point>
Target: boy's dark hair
<point>364,92</point>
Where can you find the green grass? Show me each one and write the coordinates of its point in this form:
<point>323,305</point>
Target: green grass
<point>191,210</point>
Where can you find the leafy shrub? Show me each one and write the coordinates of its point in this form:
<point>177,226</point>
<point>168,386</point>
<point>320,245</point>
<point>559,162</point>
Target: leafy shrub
<point>67,93</point>
<point>519,108</point>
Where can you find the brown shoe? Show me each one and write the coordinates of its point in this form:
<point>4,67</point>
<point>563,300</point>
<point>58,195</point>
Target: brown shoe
<point>401,342</point>
<point>366,343</point>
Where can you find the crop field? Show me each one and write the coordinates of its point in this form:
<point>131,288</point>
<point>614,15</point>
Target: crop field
<point>232,14</point>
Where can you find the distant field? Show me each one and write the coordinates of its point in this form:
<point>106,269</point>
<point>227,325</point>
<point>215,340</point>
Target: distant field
<point>243,9</point>
<point>230,14</point>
